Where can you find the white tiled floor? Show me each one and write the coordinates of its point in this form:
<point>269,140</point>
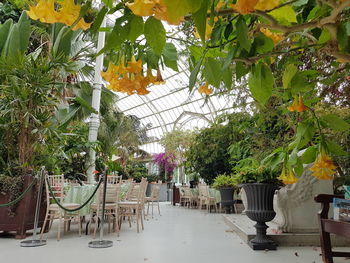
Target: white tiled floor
<point>180,235</point>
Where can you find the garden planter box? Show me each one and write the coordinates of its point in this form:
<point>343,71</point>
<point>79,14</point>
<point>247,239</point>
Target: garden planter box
<point>23,219</point>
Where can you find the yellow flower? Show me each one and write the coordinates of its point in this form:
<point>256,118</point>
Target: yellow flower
<point>323,168</point>
<point>67,14</point>
<point>220,5</point>
<point>288,177</point>
<point>298,105</point>
<point>276,37</point>
<point>134,66</point>
<point>159,79</point>
<point>161,13</point>
<point>245,6</point>
<point>44,11</point>
<point>264,5</point>
<point>142,7</point>
<point>204,89</point>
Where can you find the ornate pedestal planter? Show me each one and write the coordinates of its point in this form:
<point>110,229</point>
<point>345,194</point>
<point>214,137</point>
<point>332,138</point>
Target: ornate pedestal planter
<point>260,210</point>
<point>227,199</point>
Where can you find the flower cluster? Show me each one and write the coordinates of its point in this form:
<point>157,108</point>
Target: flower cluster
<point>67,13</point>
<point>298,105</point>
<point>248,6</point>
<point>130,79</point>
<point>323,168</point>
<point>167,160</point>
<point>152,7</point>
<point>204,89</point>
<point>276,37</point>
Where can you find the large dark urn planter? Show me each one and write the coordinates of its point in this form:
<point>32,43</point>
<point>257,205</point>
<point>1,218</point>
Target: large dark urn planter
<point>227,199</point>
<point>23,217</point>
<point>260,210</point>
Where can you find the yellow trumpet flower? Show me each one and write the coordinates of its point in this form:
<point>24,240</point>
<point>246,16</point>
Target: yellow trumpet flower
<point>323,168</point>
<point>298,105</point>
<point>44,11</point>
<point>142,7</point>
<point>276,37</point>
<point>204,89</point>
<point>288,177</point>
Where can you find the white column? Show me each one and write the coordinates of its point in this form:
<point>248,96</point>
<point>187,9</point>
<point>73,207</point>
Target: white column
<point>94,120</point>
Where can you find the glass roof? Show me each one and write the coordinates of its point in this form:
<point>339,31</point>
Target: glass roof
<point>171,106</point>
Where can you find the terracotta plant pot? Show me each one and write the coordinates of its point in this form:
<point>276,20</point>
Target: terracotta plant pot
<point>23,219</point>
<point>260,210</point>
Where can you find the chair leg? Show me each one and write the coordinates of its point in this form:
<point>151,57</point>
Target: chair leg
<point>142,224</point>
<point>148,207</point>
<point>79,224</point>
<point>59,227</point>
<point>152,208</point>
<point>137,221</point>
<point>158,207</point>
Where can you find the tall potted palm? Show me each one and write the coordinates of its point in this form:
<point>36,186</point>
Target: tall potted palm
<point>259,184</point>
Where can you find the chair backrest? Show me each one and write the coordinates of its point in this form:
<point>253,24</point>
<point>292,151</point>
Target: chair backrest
<point>56,182</point>
<point>187,191</point>
<point>142,190</point>
<point>156,191</point>
<point>112,193</point>
<point>203,190</point>
<point>114,179</point>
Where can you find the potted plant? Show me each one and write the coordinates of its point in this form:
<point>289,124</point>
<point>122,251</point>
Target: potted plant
<point>259,184</point>
<point>226,184</point>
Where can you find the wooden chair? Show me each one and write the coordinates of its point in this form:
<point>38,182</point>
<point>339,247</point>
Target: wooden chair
<point>154,197</point>
<point>53,211</point>
<point>134,207</point>
<point>114,179</point>
<point>328,226</point>
<point>111,207</point>
<point>205,198</point>
<point>186,196</point>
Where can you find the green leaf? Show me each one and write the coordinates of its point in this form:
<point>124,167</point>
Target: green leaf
<point>212,72</point>
<point>242,33</point>
<point>299,168</point>
<point>335,148</point>
<point>63,42</point>
<point>180,8</point>
<point>194,74</point>
<point>200,19</point>
<point>170,56</point>
<point>285,15</point>
<point>241,70</point>
<point>108,3</point>
<point>309,155</point>
<point>136,27</point>
<point>288,75</point>
<point>305,133</point>
<point>347,26</point>
<point>155,34</point>
<point>99,19</point>
<point>334,122</point>
<point>227,78</point>
<point>18,38</point>
<point>263,44</point>
<point>4,31</point>
<point>261,82</point>
<point>324,37</point>
<point>343,38</point>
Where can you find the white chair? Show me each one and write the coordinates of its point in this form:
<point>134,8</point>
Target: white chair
<point>154,197</point>
<point>205,198</point>
<point>111,207</point>
<point>134,207</point>
<point>53,211</point>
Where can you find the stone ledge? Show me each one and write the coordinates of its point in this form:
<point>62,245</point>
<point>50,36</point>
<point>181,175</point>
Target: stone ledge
<point>244,228</point>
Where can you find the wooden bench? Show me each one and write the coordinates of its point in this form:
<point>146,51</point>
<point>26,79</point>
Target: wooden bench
<point>328,226</point>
